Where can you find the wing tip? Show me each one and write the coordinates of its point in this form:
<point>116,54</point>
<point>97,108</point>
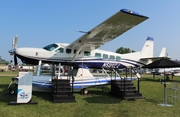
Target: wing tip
<point>132,12</point>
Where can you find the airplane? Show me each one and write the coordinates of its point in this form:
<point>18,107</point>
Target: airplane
<point>177,74</point>
<point>85,47</point>
<point>83,53</point>
<point>85,79</point>
<point>169,70</point>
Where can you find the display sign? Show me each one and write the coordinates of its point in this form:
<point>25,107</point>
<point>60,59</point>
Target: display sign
<point>24,92</point>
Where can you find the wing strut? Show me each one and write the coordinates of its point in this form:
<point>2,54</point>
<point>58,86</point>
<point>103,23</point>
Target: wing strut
<point>77,52</point>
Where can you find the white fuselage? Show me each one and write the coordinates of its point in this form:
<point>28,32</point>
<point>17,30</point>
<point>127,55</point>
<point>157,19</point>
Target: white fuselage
<point>59,52</point>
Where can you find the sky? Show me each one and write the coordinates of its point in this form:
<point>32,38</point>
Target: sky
<point>41,22</point>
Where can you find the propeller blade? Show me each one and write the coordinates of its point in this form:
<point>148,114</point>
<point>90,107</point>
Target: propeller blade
<point>15,41</point>
<point>15,61</point>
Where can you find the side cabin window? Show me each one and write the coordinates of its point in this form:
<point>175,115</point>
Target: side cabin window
<point>60,50</point>
<point>68,51</point>
<point>118,58</point>
<point>105,56</point>
<point>50,47</point>
<point>98,55</point>
<point>86,53</point>
<point>112,57</point>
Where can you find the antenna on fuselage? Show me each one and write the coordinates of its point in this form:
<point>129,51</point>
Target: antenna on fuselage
<point>83,31</point>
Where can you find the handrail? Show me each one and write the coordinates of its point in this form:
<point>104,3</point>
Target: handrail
<point>105,72</point>
<point>138,77</point>
<point>117,73</point>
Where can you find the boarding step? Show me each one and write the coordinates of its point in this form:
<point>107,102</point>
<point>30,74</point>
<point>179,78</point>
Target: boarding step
<point>124,89</point>
<point>114,87</point>
<point>132,96</point>
<point>68,89</point>
<point>61,85</point>
<point>62,91</point>
<point>122,82</point>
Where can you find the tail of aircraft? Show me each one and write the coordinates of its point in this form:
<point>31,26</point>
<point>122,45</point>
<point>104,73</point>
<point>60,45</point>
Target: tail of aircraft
<point>148,48</point>
<point>163,53</point>
<point>147,52</point>
<point>145,56</point>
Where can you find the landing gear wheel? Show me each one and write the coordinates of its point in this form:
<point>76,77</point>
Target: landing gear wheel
<point>11,91</point>
<point>84,91</point>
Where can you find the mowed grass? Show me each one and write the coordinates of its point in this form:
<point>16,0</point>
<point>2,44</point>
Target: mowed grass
<point>97,104</point>
<point>9,73</point>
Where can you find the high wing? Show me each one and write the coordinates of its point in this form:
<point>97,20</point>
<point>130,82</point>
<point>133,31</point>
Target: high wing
<point>108,30</point>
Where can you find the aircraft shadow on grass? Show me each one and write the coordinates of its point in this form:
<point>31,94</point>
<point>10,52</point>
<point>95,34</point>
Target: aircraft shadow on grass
<point>103,99</point>
<point>96,95</point>
<point>47,96</point>
<point>101,95</point>
<point>5,96</point>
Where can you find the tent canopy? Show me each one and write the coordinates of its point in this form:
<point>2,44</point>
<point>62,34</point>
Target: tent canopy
<point>163,63</point>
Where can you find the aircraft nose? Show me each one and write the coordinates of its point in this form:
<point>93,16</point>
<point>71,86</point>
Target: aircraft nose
<point>12,51</point>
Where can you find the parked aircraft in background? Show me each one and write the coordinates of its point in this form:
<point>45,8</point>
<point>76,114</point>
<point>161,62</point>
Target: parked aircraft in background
<point>177,74</point>
<point>169,71</point>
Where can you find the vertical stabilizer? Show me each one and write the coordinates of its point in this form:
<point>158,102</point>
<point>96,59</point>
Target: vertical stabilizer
<point>148,48</point>
<point>163,53</point>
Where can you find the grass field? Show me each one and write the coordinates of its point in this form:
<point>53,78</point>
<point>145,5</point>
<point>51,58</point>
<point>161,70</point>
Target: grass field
<point>97,104</point>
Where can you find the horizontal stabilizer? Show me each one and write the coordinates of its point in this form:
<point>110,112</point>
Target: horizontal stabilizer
<point>163,54</point>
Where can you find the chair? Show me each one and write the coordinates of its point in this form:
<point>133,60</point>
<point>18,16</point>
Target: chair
<point>174,91</point>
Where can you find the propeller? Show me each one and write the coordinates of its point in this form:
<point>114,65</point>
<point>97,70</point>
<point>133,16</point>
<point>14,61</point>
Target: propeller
<point>14,45</point>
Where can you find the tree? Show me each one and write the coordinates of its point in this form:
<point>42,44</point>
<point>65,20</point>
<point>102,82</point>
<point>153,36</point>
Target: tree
<point>122,50</point>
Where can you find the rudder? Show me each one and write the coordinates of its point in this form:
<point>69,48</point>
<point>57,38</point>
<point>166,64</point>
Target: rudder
<point>148,48</point>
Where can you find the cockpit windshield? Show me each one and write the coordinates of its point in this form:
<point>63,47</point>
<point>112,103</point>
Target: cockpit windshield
<point>50,47</point>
